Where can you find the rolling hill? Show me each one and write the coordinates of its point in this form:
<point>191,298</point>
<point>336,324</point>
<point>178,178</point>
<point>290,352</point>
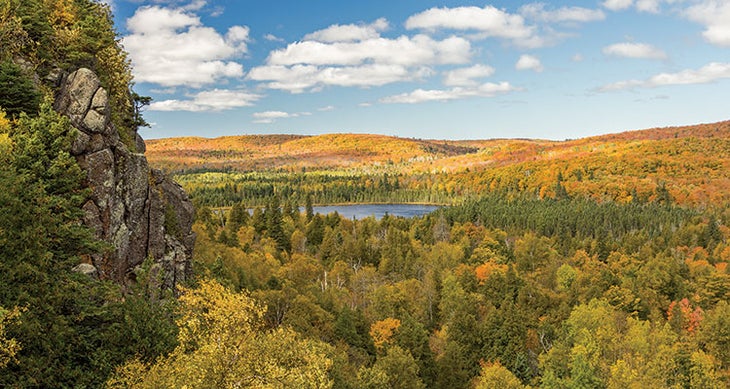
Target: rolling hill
<point>691,164</point>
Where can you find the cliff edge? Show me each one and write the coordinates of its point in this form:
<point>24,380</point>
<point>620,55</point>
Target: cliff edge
<point>140,212</point>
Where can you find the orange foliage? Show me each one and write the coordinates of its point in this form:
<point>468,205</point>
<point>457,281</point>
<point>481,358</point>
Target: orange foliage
<point>721,267</point>
<point>690,162</point>
<point>382,331</point>
<point>486,269</point>
<point>685,317</point>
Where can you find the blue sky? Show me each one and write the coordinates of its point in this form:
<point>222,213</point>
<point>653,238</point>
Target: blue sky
<point>427,69</point>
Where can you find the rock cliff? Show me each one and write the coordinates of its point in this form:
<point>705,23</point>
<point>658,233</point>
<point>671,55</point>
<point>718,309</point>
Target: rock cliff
<point>138,211</point>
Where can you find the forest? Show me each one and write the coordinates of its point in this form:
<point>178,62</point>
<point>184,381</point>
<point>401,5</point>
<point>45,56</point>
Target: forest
<point>591,263</point>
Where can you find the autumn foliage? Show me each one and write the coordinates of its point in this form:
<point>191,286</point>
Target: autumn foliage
<point>684,165</point>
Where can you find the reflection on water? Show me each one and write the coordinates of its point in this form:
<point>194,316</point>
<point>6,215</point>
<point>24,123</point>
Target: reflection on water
<point>361,211</point>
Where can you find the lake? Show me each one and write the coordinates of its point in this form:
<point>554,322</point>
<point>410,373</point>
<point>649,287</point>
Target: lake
<point>361,211</point>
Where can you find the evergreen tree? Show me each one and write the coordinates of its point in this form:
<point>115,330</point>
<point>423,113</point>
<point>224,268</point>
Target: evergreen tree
<point>74,330</point>
<point>17,92</point>
<point>308,208</point>
<point>274,225</point>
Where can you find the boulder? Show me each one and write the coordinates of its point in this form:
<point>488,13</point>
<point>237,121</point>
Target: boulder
<point>87,269</point>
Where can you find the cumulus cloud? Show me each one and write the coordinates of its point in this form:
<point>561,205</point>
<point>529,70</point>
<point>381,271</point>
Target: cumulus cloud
<point>171,47</point>
<point>406,51</point>
<point>326,108</point>
<point>467,76</point>
<point>360,57</point>
<point>711,72</point>
<point>207,101</point>
<point>490,21</point>
<point>529,62</point>
<point>349,32</point>
<point>648,5</point>
<point>422,95</point>
<point>715,16</point>
<point>634,50</point>
<point>267,117</point>
<point>299,78</point>
<point>651,6</point>
<point>617,5</point>
<point>537,11</point>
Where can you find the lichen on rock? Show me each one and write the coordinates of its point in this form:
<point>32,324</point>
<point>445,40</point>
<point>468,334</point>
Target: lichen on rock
<point>130,202</point>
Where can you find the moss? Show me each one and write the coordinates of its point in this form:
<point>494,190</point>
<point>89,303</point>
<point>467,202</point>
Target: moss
<point>172,224</point>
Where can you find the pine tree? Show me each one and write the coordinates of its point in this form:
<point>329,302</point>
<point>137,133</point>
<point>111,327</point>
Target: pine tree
<point>17,92</point>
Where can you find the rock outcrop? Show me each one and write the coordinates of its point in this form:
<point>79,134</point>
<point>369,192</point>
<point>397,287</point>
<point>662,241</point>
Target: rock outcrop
<point>138,211</point>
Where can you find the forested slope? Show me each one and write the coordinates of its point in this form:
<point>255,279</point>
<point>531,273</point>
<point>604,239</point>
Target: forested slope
<point>598,262</point>
<point>685,165</point>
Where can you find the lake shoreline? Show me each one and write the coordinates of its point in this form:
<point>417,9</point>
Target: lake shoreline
<point>348,204</point>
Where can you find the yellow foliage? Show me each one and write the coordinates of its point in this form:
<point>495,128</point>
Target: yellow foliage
<point>4,122</point>
<point>382,331</point>
<point>62,13</point>
<point>494,375</point>
<point>223,345</point>
<point>8,347</point>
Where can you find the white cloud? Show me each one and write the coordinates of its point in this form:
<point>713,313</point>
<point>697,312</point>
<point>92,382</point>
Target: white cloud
<point>651,6</point>
<point>267,117</point>
<point>299,78</point>
<point>634,50</point>
<point>407,51</point>
<point>490,21</point>
<point>273,38</point>
<point>326,109</point>
<point>467,76</point>
<point>529,62</point>
<point>360,57</point>
<point>172,47</point>
<point>578,57</point>
<point>349,32</point>
<point>711,72</point>
<point>195,5</point>
<point>206,101</point>
<point>537,11</point>
<point>715,16</point>
<point>271,115</point>
<point>617,5</point>
<point>421,95</point>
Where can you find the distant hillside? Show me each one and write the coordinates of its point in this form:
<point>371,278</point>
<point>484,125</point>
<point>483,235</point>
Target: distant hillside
<point>294,152</point>
<point>690,164</point>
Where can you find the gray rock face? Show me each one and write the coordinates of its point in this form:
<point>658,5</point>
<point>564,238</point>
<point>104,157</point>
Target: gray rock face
<point>138,211</point>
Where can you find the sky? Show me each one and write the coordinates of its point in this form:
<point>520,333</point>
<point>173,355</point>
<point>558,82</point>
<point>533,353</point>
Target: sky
<point>449,69</point>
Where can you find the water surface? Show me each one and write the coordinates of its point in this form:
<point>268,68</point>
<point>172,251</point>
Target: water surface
<point>361,211</point>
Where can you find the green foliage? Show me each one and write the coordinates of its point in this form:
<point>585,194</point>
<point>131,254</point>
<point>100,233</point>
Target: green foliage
<point>17,92</point>
<point>400,369</point>
<point>224,189</point>
<point>559,293</point>
<point>87,327</point>
<point>63,35</point>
